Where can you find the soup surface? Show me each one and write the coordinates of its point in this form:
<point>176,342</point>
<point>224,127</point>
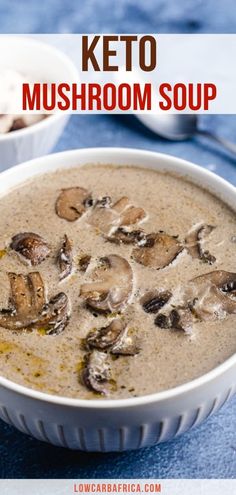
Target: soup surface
<point>115,282</point>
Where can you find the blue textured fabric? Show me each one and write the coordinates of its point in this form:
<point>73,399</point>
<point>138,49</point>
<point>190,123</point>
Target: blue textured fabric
<point>210,450</point>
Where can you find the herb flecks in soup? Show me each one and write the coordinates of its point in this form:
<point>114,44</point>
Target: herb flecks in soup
<point>116,282</point>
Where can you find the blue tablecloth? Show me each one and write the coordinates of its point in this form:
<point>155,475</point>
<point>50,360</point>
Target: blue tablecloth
<point>210,450</point>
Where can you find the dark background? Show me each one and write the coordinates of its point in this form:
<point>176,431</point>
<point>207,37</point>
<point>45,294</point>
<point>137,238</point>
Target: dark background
<point>210,450</point>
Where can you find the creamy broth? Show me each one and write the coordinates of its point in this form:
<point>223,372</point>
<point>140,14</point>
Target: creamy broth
<point>167,357</point>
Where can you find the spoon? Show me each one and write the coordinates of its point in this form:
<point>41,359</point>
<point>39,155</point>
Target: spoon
<point>178,127</point>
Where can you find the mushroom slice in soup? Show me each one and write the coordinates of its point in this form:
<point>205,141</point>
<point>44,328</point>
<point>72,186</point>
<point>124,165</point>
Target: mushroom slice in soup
<point>116,338</point>
<point>194,243</point>
<point>28,307</point>
<point>72,202</point>
<point>104,338</point>
<point>222,279</point>
<point>213,304</point>
<point>127,344</point>
<point>104,202</point>
<point>26,301</point>
<point>163,320</point>
<point>129,214</point>
<point>153,301</point>
<point>64,258</point>
<point>214,294</point>
<point>124,236</point>
<point>102,216</point>
<point>132,215</point>
<point>31,246</point>
<point>55,315</point>
<point>96,372</point>
<point>111,286</point>
<point>206,297</point>
<point>182,319</point>
<point>159,250</point>
<point>179,318</point>
<point>105,215</point>
<point>84,262</point>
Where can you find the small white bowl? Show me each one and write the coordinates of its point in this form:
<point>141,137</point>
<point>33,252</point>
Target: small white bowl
<point>117,425</point>
<point>41,62</point>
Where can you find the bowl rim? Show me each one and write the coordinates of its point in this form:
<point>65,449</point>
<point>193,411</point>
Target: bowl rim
<point>130,402</point>
<point>51,118</point>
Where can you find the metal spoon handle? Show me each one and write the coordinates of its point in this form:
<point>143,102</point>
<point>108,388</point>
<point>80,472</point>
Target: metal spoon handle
<point>224,142</point>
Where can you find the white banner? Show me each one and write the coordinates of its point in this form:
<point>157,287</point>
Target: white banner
<point>83,487</point>
<point>118,73</point>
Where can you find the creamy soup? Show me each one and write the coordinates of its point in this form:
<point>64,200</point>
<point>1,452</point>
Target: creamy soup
<point>115,282</point>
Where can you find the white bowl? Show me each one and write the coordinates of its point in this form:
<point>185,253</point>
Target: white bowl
<point>41,62</point>
<point>117,425</point>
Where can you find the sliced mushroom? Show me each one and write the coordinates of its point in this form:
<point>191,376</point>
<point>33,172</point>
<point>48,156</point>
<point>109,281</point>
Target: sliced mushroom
<point>127,344</point>
<point>72,202</point>
<point>153,301</point>
<point>104,202</point>
<point>111,286</point>
<point>84,262</point>
<point>163,320</point>
<point>222,279</point>
<point>213,293</point>
<point>121,204</point>
<point>31,246</point>
<point>229,288</point>
<point>105,337</point>
<point>159,250</point>
<point>124,236</point>
<point>206,297</point>
<point>96,372</point>
<point>116,337</point>
<point>65,258</point>
<point>106,216</point>
<point>129,214</point>
<point>37,292</point>
<point>88,202</point>
<point>55,315</point>
<point>26,301</point>
<point>28,307</point>
<point>194,243</point>
<point>178,319</point>
<point>103,218</point>
<point>182,319</point>
<point>132,215</point>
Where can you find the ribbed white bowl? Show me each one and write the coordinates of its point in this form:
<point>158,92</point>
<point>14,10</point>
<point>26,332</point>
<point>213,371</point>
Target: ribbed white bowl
<point>117,425</point>
<point>40,62</point>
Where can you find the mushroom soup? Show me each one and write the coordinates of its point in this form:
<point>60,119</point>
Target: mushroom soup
<point>114,282</point>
